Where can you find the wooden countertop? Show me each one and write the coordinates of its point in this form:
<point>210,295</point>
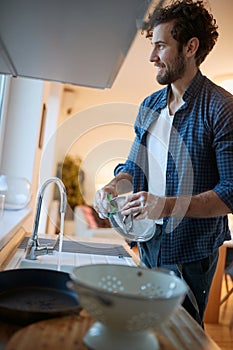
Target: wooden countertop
<point>181,332</point>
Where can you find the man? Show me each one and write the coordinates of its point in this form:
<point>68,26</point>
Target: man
<point>181,162</point>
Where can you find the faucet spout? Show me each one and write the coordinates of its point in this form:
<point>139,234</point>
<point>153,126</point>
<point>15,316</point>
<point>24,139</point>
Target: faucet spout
<point>34,248</point>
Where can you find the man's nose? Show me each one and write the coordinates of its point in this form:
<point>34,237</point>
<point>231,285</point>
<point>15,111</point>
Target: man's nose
<point>154,56</point>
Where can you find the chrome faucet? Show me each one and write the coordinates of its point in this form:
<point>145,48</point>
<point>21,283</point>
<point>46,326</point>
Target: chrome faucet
<point>34,248</point>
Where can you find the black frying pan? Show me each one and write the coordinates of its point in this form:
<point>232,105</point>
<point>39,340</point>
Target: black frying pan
<point>30,295</point>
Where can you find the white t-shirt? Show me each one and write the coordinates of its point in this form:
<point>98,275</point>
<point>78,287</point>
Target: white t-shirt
<point>157,145</point>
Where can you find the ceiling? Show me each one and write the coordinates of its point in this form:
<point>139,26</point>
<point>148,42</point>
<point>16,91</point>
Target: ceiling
<point>73,41</point>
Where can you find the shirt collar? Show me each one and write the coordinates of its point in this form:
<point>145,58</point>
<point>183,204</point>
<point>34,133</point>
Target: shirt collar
<point>191,91</point>
<point>163,100</point>
<point>194,87</point>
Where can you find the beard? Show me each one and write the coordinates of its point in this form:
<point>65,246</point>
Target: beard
<point>174,71</point>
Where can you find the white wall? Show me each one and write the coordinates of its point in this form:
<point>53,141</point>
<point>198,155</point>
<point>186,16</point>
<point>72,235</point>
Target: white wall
<point>98,135</point>
<point>21,129</point>
<point>21,152</point>
<point>47,168</point>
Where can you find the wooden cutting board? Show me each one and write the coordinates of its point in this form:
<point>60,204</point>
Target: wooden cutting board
<point>65,333</point>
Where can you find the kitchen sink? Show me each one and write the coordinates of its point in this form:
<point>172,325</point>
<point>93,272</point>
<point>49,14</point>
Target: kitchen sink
<point>73,254</point>
<point>36,264</point>
<point>68,261</point>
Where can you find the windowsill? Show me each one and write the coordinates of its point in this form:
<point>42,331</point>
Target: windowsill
<point>11,222</point>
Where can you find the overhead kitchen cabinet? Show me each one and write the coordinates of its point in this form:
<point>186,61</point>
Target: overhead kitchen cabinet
<point>78,42</point>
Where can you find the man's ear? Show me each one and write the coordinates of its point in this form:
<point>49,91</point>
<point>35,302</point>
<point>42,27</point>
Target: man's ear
<point>191,47</point>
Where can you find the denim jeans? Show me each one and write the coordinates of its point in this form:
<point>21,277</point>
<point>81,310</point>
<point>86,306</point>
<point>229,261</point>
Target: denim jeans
<point>198,275</point>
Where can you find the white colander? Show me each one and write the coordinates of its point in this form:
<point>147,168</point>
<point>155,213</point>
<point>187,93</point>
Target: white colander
<point>127,302</point>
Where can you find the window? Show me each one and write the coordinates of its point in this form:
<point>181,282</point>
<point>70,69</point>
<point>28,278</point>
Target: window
<point>4,84</point>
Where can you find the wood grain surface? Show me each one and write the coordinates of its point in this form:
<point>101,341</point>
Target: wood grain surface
<point>61,334</point>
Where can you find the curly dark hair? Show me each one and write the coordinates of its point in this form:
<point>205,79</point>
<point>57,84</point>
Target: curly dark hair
<point>191,19</point>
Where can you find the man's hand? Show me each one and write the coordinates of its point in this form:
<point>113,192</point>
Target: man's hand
<point>122,181</point>
<point>101,200</point>
<point>144,205</point>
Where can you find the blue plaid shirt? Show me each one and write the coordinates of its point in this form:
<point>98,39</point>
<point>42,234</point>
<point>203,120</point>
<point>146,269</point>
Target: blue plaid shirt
<point>200,158</point>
